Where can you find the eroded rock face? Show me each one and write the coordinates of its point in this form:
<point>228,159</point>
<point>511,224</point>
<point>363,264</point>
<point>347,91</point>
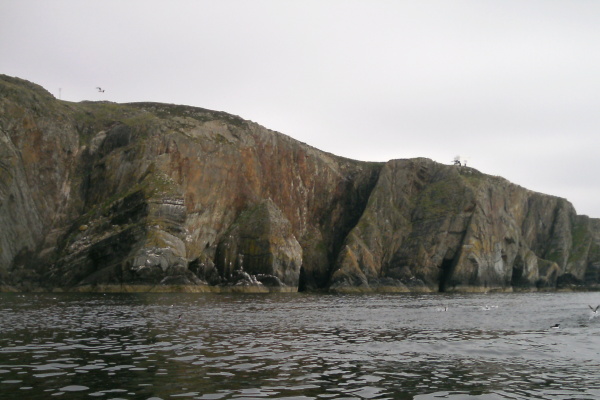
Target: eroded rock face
<point>261,243</point>
<point>103,195</point>
<point>132,181</point>
<point>432,227</point>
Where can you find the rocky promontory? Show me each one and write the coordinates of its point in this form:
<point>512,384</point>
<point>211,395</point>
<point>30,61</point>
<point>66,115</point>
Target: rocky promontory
<point>102,196</point>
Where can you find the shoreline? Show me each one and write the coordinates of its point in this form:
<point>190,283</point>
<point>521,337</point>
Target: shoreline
<point>253,289</point>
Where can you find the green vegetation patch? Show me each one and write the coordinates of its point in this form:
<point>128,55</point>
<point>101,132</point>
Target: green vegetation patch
<point>157,184</point>
<point>580,239</point>
<point>440,198</point>
<point>92,117</point>
<point>27,94</point>
<point>473,177</point>
<point>166,111</point>
<point>141,122</point>
<point>556,255</point>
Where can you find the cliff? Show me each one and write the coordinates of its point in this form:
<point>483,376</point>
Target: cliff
<point>148,196</point>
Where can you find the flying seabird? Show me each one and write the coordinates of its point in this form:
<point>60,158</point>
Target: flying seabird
<point>100,89</point>
<point>594,310</point>
<point>556,326</point>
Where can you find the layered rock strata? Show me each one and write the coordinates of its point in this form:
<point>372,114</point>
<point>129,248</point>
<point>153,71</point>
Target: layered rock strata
<point>433,227</point>
<point>148,196</point>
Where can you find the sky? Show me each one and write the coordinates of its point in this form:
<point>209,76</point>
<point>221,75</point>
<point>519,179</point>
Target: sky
<point>512,86</point>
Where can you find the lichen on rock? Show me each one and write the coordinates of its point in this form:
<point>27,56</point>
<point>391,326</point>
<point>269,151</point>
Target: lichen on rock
<point>261,243</point>
<point>150,196</point>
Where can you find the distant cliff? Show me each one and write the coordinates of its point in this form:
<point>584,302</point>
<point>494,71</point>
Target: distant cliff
<point>148,196</point>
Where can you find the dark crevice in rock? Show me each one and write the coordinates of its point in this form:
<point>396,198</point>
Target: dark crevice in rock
<point>446,271</point>
<point>100,193</point>
<point>517,278</point>
<point>302,280</point>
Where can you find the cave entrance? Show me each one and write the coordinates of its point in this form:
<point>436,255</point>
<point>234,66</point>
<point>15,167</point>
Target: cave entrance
<point>518,277</point>
<point>447,268</point>
<point>302,286</point>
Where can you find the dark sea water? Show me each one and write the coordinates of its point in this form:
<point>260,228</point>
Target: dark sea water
<point>299,346</point>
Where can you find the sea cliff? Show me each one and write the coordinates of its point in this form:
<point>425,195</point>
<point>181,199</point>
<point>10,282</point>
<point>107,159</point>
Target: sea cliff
<point>148,196</point>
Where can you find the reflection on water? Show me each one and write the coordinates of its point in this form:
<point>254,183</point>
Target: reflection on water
<point>299,346</point>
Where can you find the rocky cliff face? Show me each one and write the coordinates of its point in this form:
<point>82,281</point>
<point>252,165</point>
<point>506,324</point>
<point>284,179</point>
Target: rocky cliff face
<point>147,196</point>
<point>433,227</point>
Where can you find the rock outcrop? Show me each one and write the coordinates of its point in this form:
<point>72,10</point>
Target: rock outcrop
<point>433,227</point>
<point>261,243</point>
<point>148,196</point>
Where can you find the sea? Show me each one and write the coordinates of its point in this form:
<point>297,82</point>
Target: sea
<point>299,346</point>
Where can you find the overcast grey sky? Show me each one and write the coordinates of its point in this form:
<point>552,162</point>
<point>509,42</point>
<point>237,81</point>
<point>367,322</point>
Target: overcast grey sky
<point>514,86</point>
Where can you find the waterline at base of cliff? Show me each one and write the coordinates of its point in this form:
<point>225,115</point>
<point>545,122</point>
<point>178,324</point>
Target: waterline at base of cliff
<point>99,196</point>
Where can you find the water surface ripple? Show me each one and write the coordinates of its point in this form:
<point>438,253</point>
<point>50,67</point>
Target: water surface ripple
<point>299,346</point>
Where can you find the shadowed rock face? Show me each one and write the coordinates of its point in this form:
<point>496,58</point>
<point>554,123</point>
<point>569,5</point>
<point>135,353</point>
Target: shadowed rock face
<point>104,196</point>
<point>433,227</point>
<point>261,243</point>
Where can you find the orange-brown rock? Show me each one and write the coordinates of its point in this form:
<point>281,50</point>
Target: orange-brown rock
<point>103,195</point>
